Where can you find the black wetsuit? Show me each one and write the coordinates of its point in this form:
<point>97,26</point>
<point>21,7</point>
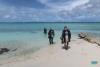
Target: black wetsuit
<point>69,35</point>
<point>51,36</point>
<point>45,31</point>
<point>64,35</point>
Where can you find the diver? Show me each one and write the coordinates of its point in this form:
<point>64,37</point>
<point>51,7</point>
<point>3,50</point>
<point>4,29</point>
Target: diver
<point>45,31</point>
<point>51,35</point>
<point>66,36</point>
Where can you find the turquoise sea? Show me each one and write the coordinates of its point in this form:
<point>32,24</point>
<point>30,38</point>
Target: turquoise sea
<point>27,37</point>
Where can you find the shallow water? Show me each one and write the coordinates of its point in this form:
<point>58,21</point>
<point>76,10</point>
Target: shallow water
<point>27,38</point>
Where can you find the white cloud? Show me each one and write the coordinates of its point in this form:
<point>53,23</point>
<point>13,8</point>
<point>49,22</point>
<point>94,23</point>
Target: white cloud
<point>63,10</point>
<point>6,16</point>
<point>66,5</point>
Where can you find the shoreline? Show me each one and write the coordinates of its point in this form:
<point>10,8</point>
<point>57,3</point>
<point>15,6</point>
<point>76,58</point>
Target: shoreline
<point>81,53</point>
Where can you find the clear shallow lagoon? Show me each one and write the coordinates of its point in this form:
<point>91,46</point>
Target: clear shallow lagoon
<point>29,37</point>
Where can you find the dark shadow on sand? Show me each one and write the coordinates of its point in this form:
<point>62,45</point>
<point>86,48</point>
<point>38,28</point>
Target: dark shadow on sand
<point>66,48</point>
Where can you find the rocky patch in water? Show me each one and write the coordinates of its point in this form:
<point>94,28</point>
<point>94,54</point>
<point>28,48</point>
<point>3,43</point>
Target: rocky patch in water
<point>3,50</point>
<point>89,38</point>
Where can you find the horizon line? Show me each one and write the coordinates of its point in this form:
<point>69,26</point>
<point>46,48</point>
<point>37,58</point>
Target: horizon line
<point>44,22</point>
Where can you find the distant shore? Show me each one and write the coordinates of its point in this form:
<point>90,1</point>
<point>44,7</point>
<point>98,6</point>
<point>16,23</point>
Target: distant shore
<point>49,22</point>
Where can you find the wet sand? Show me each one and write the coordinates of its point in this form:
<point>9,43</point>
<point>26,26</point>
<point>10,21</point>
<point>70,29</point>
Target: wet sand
<point>80,54</point>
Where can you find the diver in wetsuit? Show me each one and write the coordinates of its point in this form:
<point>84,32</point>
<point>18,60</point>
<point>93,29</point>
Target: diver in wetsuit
<point>45,31</point>
<point>51,35</point>
<point>66,36</point>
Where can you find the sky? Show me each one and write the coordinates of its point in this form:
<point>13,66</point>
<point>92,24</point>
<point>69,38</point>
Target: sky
<point>49,10</point>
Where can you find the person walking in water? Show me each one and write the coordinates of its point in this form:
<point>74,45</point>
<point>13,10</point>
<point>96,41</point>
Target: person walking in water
<point>66,36</point>
<point>45,31</point>
<point>51,35</point>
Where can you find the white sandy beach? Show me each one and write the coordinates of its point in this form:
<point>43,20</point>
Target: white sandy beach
<point>80,54</point>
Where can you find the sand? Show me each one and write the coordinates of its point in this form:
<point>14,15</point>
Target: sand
<point>80,54</point>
